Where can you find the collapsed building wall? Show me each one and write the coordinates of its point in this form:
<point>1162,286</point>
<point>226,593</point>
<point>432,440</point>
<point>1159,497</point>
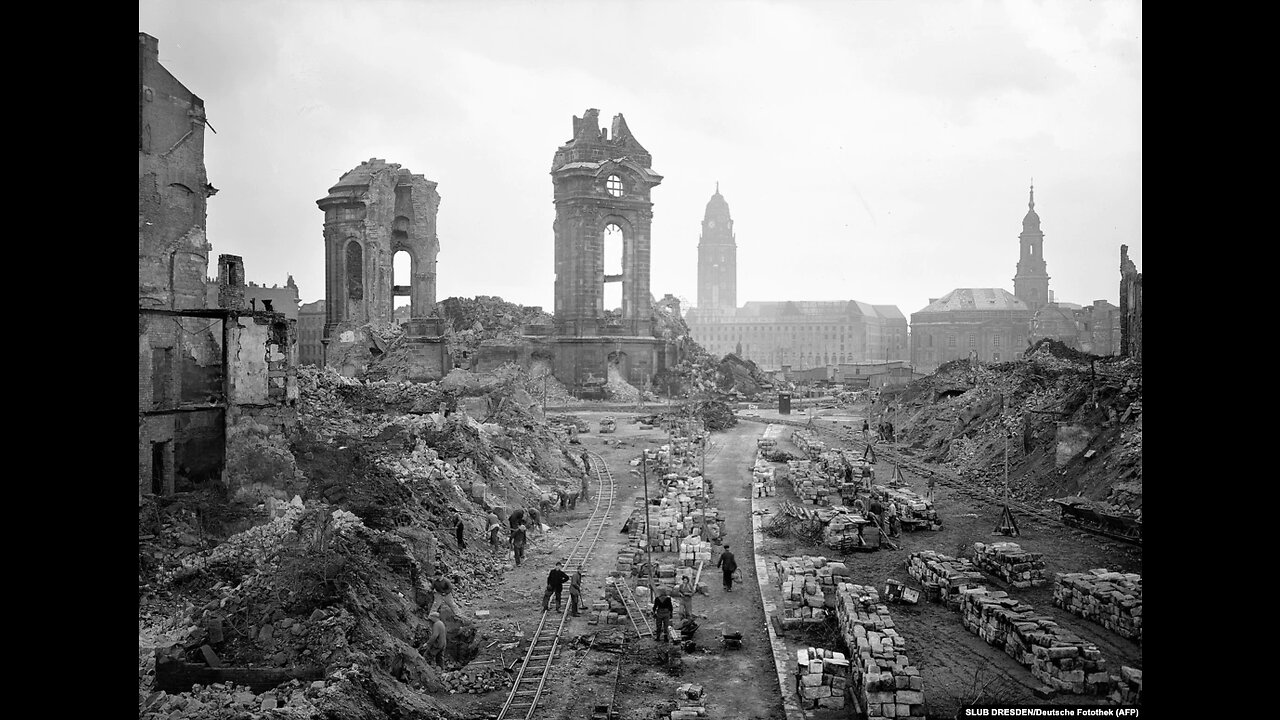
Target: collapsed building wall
<point>1130,307</point>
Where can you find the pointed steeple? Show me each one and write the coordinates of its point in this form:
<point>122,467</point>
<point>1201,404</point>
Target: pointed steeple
<point>1031,222</point>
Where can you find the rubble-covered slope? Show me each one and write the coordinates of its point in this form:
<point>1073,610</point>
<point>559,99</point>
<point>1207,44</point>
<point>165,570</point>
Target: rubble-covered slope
<point>1073,427</point>
<point>331,585</point>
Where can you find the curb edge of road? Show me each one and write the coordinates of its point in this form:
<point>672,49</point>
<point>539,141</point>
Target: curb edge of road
<point>781,656</point>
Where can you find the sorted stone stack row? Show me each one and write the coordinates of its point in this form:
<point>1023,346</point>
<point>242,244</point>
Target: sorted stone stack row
<point>811,487</point>
<point>694,549</point>
<point>808,588</point>
<point>822,678</point>
<point>625,564</point>
<point>809,443</point>
<point>689,703</point>
<point>1060,659</point>
<point>1128,686</point>
<point>943,576</point>
<point>910,505</point>
<point>843,530</point>
<point>1111,599</point>
<point>762,475</point>
<point>884,682</point>
<point>1008,562</point>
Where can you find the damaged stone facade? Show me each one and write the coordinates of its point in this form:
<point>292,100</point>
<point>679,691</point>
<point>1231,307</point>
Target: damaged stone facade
<point>1130,306</point>
<point>602,181</point>
<point>260,297</point>
<point>989,322</point>
<point>375,211</point>
<point>202,365</point>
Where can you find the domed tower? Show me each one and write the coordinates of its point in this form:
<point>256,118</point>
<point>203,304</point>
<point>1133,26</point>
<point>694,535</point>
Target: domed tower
<point>1031,283</point>
<point>717,257</point>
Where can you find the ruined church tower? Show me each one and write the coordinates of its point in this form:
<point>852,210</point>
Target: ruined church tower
<point>602,185</point>
<point>1031,283</point>
<point>717,257</point>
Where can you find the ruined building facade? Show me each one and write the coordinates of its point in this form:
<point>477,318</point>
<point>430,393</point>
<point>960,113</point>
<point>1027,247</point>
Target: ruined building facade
<point>800,334</point>
<point>205,362</point>
<point>717,258</point>
<point>1130,306</point>
<point>985,324</point>
<point>1031,282</point>
<point>601,181</point>
<point>375,211</point>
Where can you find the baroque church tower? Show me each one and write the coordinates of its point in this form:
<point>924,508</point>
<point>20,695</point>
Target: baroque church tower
<point>717,258</point>
<point>1031,283</point>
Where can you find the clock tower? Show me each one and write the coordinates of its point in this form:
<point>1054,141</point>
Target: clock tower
<point>717,258</point>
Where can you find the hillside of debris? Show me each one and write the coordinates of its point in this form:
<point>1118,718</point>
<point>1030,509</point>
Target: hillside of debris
<point>471,321</point>
<point>317,569</point>
<point>1072,422</point>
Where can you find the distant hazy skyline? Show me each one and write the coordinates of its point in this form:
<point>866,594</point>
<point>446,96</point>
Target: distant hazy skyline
<point>874,151</point>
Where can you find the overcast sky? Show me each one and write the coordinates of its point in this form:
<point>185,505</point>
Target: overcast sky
<point>873,151</point>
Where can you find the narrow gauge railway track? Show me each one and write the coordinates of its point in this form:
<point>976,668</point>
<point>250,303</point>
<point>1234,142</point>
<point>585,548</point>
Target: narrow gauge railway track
<point>530,681</point>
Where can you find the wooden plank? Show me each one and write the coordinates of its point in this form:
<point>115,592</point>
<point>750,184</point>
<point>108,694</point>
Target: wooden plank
<point>175,676</point>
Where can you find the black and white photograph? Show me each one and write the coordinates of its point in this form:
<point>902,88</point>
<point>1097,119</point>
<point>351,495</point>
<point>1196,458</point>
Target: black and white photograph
<point>639,359</point>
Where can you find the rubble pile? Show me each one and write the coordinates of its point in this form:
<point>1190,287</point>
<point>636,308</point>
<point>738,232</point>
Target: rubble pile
<point>808,586</point>
<point>293,699</point>
<point>822,678</point>
<point>943,576</point>
<point>1128,686</point>
<point>884,682</point>
<point>1060,659</point>
<point>962,416</point>
<point>475,679</point>
<point>471,321</point>
<point>1111,599</point>
<point>737,374</point>
<point>1008,562</point>
<point>617,389</point>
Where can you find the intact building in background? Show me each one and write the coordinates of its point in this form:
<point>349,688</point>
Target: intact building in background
<point>797,334</point>
<point>311,318</point>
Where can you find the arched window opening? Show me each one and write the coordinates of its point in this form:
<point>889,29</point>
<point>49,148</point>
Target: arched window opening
<point>402,268</point>
<point>611,252</point>
<point>355,271</point>
<point>614,185</point>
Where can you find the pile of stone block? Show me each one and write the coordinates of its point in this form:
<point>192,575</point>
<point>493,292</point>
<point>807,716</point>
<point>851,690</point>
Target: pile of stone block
<point>1127,686</point>
<point>943,576</point>
<point>1111,599</point>
<point>911,507</point>
<point>844,528</point>
<point>822,678</point>
<point>809,443</point>
<point>1008,562</point>
<point>695,549</point>
<point>763,477</point>
<point>1060,659</point>
<point>808,587</point>
<point>810,486</point>
<point>884,683</point>
<point>690,703</point>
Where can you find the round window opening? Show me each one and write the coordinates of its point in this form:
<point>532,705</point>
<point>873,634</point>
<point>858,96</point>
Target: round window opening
<point>614,185</point>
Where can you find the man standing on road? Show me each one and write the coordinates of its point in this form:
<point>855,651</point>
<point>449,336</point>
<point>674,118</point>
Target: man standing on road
<point>728,565</point>
<point>518,540</point>
<point>436,641</point>
<point>575,592</point>
<point>686,597</point>
<point>555,584</point>
<point>662,611</point>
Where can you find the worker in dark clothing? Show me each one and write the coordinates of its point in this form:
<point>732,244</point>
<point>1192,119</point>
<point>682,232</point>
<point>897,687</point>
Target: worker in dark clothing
<point>728,565</point>
<point>516,518</point>
<point>443,593</point>
<point>555,584</point>
<point>459,528</point>
<point>575,592</point>
<point>519,538</point>
<point>436,641</point>
<point>662,612</point>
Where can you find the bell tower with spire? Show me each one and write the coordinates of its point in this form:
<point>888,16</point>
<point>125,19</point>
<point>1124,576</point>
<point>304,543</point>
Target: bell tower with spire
<point>717,258</point>
<point>1031,283</point>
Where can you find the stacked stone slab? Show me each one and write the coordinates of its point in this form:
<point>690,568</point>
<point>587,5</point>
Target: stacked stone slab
<point>943,576</point>
<point>883,680</point>
<point>762,475</point>
<point>809,443</point>
<point>695,549</point>
<point>822,678</point>
<point>1127,686</point>
<point>910,505</point>
<point>1060,659</point>
<point>811,487</point>
<point>808,585</point>
<point>1008,562</point>
<point>689,702</point>
<point>843,528</point>
<point>1111,599</point>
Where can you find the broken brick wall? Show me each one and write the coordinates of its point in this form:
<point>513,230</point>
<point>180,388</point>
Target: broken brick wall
<point>1130,306</point>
